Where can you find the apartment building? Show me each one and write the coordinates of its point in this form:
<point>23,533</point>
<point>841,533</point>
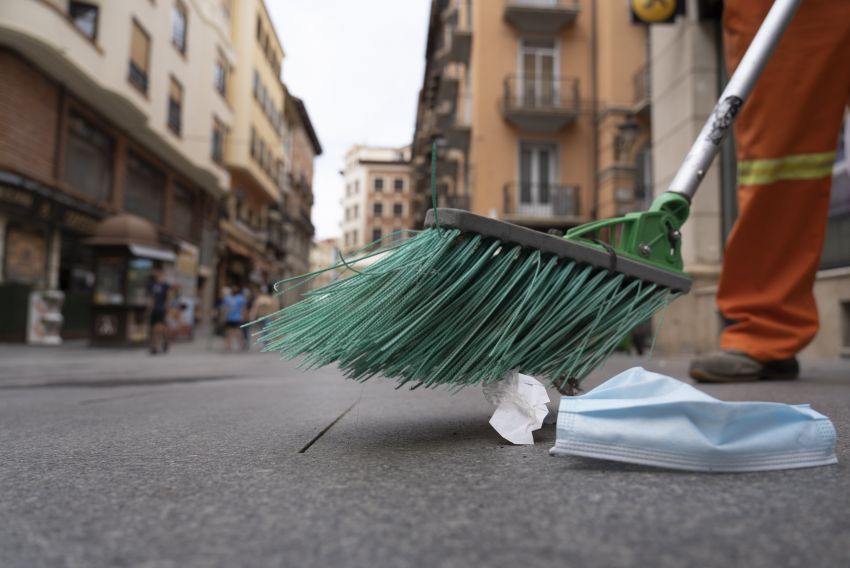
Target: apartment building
<point>110,108</point>
<point>378,195</point>
<point>301,146</point>
<point>539,110</point>
<point>323,254</point>
<point>253,244</point>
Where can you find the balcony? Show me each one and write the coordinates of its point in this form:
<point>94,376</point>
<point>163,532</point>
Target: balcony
<point>448,89</point>
<point>458,46</point>
<point>541,205</point>
<point>540,16</point>
<point>537,104</point>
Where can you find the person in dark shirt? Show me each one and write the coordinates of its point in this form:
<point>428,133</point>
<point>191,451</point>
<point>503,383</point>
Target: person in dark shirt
<point>160,293</point>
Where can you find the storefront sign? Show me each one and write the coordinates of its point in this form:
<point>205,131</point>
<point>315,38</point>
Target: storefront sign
<point>79,222</point>
<point>15,196</point>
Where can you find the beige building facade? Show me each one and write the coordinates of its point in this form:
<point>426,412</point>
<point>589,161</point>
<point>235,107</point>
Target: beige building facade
<point>110,108</point>
<point>377,196</point>
<point>324,253</point>
<point>526,100</point>
<point>253,242</point>
<point>301,146</point>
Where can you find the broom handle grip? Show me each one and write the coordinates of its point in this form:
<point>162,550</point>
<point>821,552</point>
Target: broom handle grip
<point>739,87</point>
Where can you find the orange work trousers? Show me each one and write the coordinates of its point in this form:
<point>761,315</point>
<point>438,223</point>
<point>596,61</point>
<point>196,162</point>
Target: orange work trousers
<point>786,137</point>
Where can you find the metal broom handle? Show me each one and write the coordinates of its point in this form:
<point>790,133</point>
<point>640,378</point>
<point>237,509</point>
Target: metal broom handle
<point>707,144</point>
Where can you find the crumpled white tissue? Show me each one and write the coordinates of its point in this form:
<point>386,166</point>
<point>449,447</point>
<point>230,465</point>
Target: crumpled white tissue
<point>520,407</point>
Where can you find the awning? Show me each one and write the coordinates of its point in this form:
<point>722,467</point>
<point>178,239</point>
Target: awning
<point>152,252</point>
<point>238,248</point>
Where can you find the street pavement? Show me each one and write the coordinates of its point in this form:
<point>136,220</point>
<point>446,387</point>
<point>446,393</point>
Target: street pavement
<point>200,458</point>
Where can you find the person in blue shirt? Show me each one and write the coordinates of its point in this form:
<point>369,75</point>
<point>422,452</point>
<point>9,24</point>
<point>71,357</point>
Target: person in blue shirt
<point>234,306</point>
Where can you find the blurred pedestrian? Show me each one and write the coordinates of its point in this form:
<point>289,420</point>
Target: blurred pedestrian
<point>786,138</point>
<point>158,302</point>
<point>265,305</point>
<point>233,306</point>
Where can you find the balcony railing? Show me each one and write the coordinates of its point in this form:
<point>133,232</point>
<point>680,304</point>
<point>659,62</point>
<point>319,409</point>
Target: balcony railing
<point>540,16</point>
<point>531,202</point>
<point>540,104</point>
<point>457,46</point>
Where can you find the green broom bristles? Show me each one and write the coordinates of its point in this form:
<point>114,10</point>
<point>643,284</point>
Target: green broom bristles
<point>454,308</point>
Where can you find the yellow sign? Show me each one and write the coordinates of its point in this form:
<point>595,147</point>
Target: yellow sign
<point>656,11</point>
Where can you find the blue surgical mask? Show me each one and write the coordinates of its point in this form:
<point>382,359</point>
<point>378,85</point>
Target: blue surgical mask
<point>647,418</point>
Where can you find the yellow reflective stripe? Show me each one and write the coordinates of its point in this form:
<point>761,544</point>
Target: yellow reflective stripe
<point>798,166</point>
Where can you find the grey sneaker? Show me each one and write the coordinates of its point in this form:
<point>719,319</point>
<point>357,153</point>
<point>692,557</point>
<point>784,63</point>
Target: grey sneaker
<point>736,366</point>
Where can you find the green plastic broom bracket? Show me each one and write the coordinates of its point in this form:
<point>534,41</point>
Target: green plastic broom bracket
<point>652,237</point>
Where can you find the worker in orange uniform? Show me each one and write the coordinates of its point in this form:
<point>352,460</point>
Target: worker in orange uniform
<point>786,138</point>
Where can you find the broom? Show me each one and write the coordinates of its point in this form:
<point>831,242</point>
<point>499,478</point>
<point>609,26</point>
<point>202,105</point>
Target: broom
<point>469,299</point>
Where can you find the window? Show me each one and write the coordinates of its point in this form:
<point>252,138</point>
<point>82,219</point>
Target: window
<point>89,158</point>
<point>257,85</point>
<point>398,185</point>
<point>356,211</point>
<point>356,186</point>
<point>84,16</point>
<point>220,79</point>
<point>259,29</point>
<point>253,143</point>
<point>175,106</point>
<point>398,210</point>
<point>379,184</point>
<point>144,189</point>
<point>218,135</point>
<point>378,209</point>
<point>140,44</point>
<point>537,172</point>
<point>538,84</point>
<point>354,237</point>
<point>376,234</point>
<point>184,204</point>
<point>178,26</point>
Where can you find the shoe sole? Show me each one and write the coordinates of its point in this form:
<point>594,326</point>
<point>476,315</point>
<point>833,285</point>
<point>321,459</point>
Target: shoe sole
<point>703,376</point>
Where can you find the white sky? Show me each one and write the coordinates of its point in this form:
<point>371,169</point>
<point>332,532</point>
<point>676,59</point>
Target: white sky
<point>358,66</point>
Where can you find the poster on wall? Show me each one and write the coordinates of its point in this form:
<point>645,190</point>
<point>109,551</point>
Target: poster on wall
<point>25,256</point>
<point>44,322</point>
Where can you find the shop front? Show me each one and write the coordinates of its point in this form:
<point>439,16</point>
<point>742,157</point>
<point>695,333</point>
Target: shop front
<point>44,262</point>
<point>126,252</point>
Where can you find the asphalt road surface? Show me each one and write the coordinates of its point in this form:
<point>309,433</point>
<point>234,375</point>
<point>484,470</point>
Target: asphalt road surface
<point>116,458</point>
